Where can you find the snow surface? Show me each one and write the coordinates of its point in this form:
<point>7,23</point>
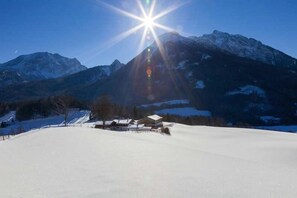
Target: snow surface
<point>110,69</point>
<point>240,46</point>
<point>170,102</point>
<point>284,128</point>
<point>155,117</point>
<point>248,90</point>
<point>9,117</point>
<point>268,119</point>
<point>182,64</point>
<point>43,65</point>
<point>193,162</point>
<point>74,118</point>
<point>205,57</point>
<point>200,84</point>
<point>184,111</point>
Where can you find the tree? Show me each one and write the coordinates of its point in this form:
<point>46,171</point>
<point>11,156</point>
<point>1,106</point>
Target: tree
<point>62,104</point>
<point>102,109</point>
<point>135,112</point>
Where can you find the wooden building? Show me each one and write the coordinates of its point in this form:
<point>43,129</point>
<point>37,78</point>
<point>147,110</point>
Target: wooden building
<point>154,121</point>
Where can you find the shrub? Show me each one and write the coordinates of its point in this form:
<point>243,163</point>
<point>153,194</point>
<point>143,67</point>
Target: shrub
<point>165,130</point>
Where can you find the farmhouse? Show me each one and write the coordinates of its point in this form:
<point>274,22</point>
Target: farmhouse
<point>108,124</point>
<point>117,124</point>
<point>121,124</point>
<point>153,121</point>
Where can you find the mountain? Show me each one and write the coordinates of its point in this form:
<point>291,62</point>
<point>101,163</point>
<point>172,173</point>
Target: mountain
<point>110,69</point>
<point>213,78</point>
<point>246,47</point>
<point>37,66</point>
<point>238,89</point>
<point>68,84</point>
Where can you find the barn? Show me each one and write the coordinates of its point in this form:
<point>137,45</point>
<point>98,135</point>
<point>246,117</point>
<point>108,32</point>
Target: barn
<point>154,121</point>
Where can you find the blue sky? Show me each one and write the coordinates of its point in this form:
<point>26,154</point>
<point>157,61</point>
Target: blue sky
<point>84,28</point>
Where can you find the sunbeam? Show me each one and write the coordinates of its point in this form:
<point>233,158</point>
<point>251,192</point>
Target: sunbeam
<point>123,12</point>
<point>169,10</point>
<point>147,20</point>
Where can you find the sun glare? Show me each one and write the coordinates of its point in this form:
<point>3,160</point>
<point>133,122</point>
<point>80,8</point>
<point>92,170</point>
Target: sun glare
<point>147,20</point>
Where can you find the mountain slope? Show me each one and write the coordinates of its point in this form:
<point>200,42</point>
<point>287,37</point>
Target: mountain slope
<point>238,89</point>
<point>235,88</point>
<point>37,66</point>
<point>246,47</point>
<point>62,85</point>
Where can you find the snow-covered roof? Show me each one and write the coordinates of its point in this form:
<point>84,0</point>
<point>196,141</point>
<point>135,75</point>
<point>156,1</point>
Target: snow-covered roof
<point>124,121</point>
<point>101,122</point>
<point>135,126</point>
<point>155,117</point>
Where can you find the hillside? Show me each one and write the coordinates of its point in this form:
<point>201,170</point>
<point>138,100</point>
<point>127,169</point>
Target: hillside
<point>193,162</point>
<point>229,76</point>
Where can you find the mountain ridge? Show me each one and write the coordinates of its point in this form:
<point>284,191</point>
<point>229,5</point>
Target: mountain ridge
<point>238,89</point>
<point>38,66</point>
<point>236,44</point>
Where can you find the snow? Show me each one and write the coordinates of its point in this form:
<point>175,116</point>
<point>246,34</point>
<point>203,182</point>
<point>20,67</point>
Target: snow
<point>74,118</point>
<point>284,128</point>
<point>248,90</point>
<point>110,69</point>
<point>124,121</point>
<point>182,64</point>
<point>189,75</point>
<point>172,37</point>
<point>108,122</point>
<point>269,119</point>
<point>184,111</point>
<point>7,118</point>
<point>155,117</point>
<point>200,84</point>
<point>240,46</point>
<point>205,57</point>
<point>170,102</point>
<point>192,162</point>
<point>43,65</point>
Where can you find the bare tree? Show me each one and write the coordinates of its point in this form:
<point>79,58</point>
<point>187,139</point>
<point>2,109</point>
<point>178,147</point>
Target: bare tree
<point>102,108</point>
<point>62,104</point>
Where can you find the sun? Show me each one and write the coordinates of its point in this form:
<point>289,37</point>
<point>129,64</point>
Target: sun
<point>148,20</point>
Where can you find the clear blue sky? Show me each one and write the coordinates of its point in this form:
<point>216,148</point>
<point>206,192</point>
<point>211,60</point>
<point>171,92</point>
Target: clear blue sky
<point>83,28</point>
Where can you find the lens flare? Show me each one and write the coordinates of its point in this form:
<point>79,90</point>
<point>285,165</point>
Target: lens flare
<point>147,20</point>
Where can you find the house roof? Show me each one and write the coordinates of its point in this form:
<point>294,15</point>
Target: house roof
<point>155,117</point>
<point>124,121</point>
<point>101,123</point>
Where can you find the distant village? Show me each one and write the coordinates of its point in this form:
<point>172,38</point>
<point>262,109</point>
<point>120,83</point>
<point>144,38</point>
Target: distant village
<point>149,123</point>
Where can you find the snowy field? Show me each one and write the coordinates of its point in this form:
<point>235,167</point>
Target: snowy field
<point>74,118</point>
<point>184,111</point>
<point>170,102</point>
<point>195,161</point>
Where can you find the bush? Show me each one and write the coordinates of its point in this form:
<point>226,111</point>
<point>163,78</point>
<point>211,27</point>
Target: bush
<point>165,130</point>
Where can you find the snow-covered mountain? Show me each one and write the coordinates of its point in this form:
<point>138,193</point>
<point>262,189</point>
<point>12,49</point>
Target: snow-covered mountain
<point>245,47</point>
<point>213,78</point>
<point>110,69</point>
<point>38,66</point>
